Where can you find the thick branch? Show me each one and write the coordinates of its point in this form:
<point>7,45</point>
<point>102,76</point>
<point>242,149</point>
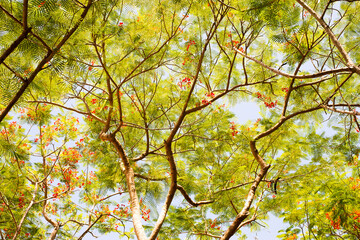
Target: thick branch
<point>168,142</point>
<point>353,113</point>
<point>283,120</point>
<point>257,156</point>
<point>189,200</point>
<point>88,229</point>
<point>148,178</point>
<point>54,232</point>
<point>25,13</point>
<point>244,213</point>
<point>171,192</point>
<point>14,45</point>
<point>22,24</point>
<point>130,181</point>
<point>46,59</point>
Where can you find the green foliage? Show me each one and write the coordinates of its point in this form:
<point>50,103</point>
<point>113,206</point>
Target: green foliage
<point>139,95</point>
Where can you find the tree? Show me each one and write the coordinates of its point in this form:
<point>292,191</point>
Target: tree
<point>114,118</point>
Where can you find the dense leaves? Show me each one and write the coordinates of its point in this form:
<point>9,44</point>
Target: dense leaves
<point>115,119</point>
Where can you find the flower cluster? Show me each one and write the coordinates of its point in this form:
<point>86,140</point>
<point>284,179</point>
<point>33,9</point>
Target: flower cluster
<point>292,237</point>
<point>105,209</point>
<point>192,42</point>
<point>205,102</point>
<point>121,210</point>
<point>56,192</point>
<point>11,130</point>
<point>21,201</point>
<point>234,42</point>
<point>37,115</point>
<point>210,95</point>
<point>214,224</point>
<point>91,65</point>
<point>41,4</point>
<point>145,211</point>
<point>71,156</point>
<point>285,89</point>
<point>207,99</point>
<point>356,215</point>
<point>233,129</point>
<point>334,223</point>
<point>354,183</point>
<point>93,101</point>
<point>267,100</point>
<point>355,159</point>
<point>184,83</point>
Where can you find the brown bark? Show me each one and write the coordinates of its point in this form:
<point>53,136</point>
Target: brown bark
<point>244,213</point>
<point>47,58</point>
<point>54,232</point>
<point>189,200</point>
<point>130,181</point>
<point>171,193</point>
<point>14,45</point>
<point>307,76</point>
<point>332,37</point>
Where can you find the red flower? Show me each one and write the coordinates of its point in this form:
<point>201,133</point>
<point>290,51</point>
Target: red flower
<point>241,49</point>
<point>41,4</point>
<point>92,64</point>
<point>189,44</point>
<point>205,102</point>
<point>211,95</point>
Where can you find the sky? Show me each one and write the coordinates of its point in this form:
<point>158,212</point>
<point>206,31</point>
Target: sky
<point>245,111</point>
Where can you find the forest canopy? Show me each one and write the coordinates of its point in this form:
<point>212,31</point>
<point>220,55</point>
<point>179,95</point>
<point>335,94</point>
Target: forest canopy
<point>115,118</point>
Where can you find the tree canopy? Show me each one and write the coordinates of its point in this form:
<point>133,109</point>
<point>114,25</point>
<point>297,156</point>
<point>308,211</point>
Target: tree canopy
<point>115,118</point>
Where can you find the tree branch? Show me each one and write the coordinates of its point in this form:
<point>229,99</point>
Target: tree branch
<point>14,45</point>
<point>244,213</point>
<point>189,200</point>
<point>25,13</point>
<point>46,59</point>
<point>315,75</point>
<point>148,178</point>
<point>168,141</point>
<point>332,37</point>
<point>18,228</point>
<point>130,181</point>
<point>353,113</point>
<point>88,229</point>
